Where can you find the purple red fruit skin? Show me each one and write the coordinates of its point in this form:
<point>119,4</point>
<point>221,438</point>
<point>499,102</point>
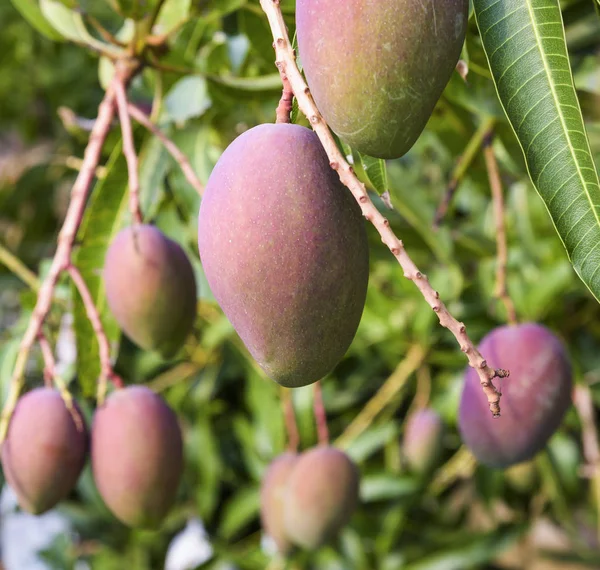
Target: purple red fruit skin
<point>285,252</point>
<point>272,499</point>
<point>150,288</point>
<point>376,69</point>
<point>321,496</point>
<point>423,439</point>
<point>535,397</point>
<point>45,449</point>
<point>137,456</point>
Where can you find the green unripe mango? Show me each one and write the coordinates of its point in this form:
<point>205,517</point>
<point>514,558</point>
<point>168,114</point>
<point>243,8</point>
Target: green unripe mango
<point>284,249</point>
<point>150,288</point>
<point>137,456</point>
<point>377,68</point>
<point>272,500</point>
<point>321,496</point>
<point>45,450</point>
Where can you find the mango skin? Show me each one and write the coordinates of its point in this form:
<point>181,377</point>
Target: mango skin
<point>45,450</point>
<point>272,498</point>
<point>284,249</point>
<point>376,69</point>
<point>423,440</point>
<point>137,456</point>
<point>321,496</point>
<point>535,397</point>
<point>150,288</point>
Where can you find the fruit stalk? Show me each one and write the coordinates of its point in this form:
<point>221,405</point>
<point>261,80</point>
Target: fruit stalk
<point>286,63</point>
<point>284,109</point>
<point>129,151</point>
<point>106,371</point>
<point>62,257</point>
<point>169,145</point>
<point>501,290</point>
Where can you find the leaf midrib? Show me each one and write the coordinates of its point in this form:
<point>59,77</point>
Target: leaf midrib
<point>559,108</point>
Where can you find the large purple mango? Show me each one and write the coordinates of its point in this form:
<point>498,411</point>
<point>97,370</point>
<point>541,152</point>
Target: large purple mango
<point>285,251</point>
<point>535,396</point>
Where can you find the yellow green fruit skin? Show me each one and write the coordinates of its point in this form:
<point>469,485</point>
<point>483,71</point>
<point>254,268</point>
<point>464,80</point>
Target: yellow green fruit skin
<point>137,456</point>
<point>45,450</point>
<point>423,440</point>
<point>535,397</point>
<point>150,288</point>
<point>272,495</point>
<point>321,496</point>
<point>377,68</point>
<point>284,249</point>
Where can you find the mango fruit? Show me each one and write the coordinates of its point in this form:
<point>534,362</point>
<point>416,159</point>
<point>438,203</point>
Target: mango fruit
<point>284,249</point>
<point>377,69</point>
<point>150,288</point>
<point>321,496</point>
<point>423,440</point>
<point>535,397</point>
<point>45,449</point>
<point>137,456</point>
<point>272,498</point>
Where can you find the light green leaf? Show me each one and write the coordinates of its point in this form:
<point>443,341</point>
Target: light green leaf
<point>70,24</point>
<point>102,221</point>
<point>376,172</point>
<point>525,46</point>
<point>30,10</point>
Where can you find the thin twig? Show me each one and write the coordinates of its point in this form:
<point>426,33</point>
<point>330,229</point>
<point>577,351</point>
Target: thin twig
<point>49,362</point>
<point>171,147</point>
<point>461,168</point>
<point>106,370</point>
<point>129,152</point>
<point>501,290</point>
<point>16,266</point>
<point>103,32</point>
<point>290,420</point>
<point>284,109</point>
<point>395,382</point>
<point>320,414</point>
<point>286,63</point>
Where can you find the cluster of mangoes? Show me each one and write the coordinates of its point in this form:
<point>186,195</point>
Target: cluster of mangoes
<point>135,447</point>
<point>306,499</point>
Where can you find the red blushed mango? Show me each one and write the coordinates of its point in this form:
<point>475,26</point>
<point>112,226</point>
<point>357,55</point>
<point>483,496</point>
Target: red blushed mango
<point>422,443</point>
<point>321,496</point>
<point>150,288</point>
<point>535,396</point>
<point>137,456</point>
<point>284,249</point>
<point>376,69</point>
<point>45,450</point>
<point>272,497</point>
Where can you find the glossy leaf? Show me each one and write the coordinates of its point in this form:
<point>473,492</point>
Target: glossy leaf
<point>31,12</point>
<point>524,41</point>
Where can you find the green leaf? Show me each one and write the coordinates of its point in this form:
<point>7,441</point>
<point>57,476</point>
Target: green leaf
<point>102,221</point>
<point>30,10</point>
<point>188,98</point>
<point>524,41</point>
<point>376,172</point>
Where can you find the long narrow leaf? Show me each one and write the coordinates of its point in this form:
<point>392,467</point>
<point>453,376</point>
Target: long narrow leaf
<point>525,45</point>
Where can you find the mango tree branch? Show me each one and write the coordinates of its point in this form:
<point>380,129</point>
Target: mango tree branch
<point>171,147</point>
<point>129,152</point>
<point>501,290</point>
<point>286,63</point>
<point>62,257</point>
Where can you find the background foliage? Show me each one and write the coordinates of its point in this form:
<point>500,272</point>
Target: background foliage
<point>218,80</point>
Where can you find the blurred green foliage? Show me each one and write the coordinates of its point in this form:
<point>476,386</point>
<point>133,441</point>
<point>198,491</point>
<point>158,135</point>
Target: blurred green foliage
<point>217,80</point>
